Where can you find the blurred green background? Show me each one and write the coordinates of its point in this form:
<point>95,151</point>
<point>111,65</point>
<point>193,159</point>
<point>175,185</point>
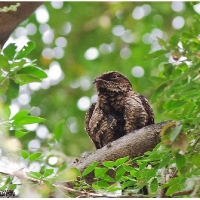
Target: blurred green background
<point>77,41</point>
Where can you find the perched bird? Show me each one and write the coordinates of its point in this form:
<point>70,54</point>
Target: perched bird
<point>118,111</point>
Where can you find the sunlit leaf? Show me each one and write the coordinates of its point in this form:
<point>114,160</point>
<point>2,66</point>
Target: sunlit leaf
<point>35,175</point>
<point>121,160</point>
<point>20,134</point>
<point>20,114</point>
<point>4,84</point>
<point>161,42</point>
<point>63,167</point>
<point>25,50</point>
<point>48,172</point>
<point>4,111</point>
<point>90,168</point>
<point>100,171</point>
<point>156,54</point>
<point>35,156</point>
<point>109,164</point>
<point>119,173</point>
<point>196,159</point>
<point>33,71</point>
<point>10,51</point>
<point>28,120</point>
<point>100,184</point>
<point>4,63</point>
<point>24,154</point>
<point>23,79</point>
<point>70,174</point>
<point>12,187</point>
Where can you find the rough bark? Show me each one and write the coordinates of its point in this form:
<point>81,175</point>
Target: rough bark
<point>11,19</point>
<point>132,145</point>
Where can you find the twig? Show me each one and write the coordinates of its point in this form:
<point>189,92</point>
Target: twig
<point>182,193</point>
<point>161,192</point>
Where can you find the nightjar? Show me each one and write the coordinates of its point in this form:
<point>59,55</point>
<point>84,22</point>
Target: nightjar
<point>118,111</point>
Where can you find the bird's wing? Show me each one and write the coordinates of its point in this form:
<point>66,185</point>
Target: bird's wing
<point>88,117</point>
<point>148,109</point>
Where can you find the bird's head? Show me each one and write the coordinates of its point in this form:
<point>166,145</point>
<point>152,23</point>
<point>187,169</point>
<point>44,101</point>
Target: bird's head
<point>112,82</point>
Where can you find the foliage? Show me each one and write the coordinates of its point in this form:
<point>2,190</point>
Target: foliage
<point>10,8</point>
<point>171,169</point>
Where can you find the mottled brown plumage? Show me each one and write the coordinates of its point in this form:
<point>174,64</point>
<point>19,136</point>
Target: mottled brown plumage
<point>118,110</point>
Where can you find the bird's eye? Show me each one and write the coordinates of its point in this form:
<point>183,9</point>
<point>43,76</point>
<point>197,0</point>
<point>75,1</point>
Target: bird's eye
<point>114,76</point>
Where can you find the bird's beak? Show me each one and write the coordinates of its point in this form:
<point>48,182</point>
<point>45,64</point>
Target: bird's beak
<point>95,80</point>
<point>99,79</point>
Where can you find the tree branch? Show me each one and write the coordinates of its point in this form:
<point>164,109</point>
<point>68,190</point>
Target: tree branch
<point>11,19</point>
<point>132,145</point>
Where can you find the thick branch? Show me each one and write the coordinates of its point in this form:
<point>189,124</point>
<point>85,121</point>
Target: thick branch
<point>11,19</point>
<point>132,145</point>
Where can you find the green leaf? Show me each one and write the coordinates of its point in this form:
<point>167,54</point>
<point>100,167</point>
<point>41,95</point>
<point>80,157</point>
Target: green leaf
<point>48,172</point>
<point>35,156</point>
<point>59,129</point>
<point>157,79</point>
<point>4,84</point>
<point>90,168</point>
<point>161,42</point>
<point>100,172</point>
<point>156,54</point>
<point>174,40</point>
<point>180,161</point>
<point>5,112</point>
<point>175,132</point>
<point>26,50</point>
<point>196,159</point>
<point>24,154</point>
<point>3,187</point>
<point>20,114</point>
<point>100,184</point>
<point>33,71</point>
<point>63,167</point>
<point>20,134</point>
<point>35,175</point>
<point>154,185</point>
<point>172,189</point>
<point>168,69</point>
<point>8,180</point>
<point>174,104</point>
<point>183,67</point>
<point>23,79</point>
<point>158,92</point>
<point>121,160</point>
<point>128,168</point>
<point>114,188</point>
<point>165,161</point>
<point>119,173</point>
<point>13,90</point>
<point>12,187</point>
<point>4,63</point>
<point>109,164</point>
<point>10,51</point>
<point>28,120</point>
